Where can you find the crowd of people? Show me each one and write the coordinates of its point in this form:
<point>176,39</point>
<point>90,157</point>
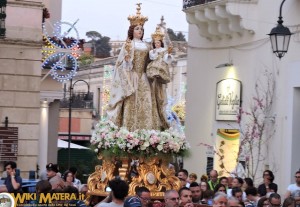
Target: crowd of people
<point>210,190</point>
<point>51,182</point>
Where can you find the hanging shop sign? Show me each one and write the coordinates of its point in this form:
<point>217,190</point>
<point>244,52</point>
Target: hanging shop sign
<point>228,100</point>
<point>8,143</point>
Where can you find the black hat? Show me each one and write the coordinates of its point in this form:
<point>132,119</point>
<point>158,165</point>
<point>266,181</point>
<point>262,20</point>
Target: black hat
<point>52,167</point>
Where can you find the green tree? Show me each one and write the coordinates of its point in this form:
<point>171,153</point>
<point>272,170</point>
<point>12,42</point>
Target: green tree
<point>101,47</point>
<point>93,35</point>
<point>85,59</point>
<point>175,37</point>
<point>180,37</point>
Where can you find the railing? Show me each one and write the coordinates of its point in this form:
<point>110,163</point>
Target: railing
<point>190,3</point>
<point>79,101</point>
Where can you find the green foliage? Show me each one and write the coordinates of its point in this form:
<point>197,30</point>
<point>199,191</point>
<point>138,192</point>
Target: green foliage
<point>101,47</point>
<point>85,59</point>
<point>175,37</point>
<point>117,152</point>
<point>93,35</point>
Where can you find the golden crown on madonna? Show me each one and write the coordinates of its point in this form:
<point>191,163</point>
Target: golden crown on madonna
<point>157,35</point>
<point>137,19</point>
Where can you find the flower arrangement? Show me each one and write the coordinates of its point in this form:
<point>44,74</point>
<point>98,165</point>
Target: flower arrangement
<point>109,139</point>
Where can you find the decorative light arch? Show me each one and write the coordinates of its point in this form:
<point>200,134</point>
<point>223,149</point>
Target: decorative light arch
<point>61,51</point>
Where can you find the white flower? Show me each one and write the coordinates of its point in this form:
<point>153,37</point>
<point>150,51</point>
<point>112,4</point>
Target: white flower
<point>159,147</point>
<point>107,134</point>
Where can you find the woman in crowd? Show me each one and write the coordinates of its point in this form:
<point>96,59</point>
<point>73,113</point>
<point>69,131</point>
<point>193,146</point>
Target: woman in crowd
<point>267,185</point>
<point>237,182</point>
<point>192,177</point>
<point>69,178</point>
<point>204,186</point>
<point>263,202</point>
<point>224,181</point>
<point>220,188</point>
<point>289,202</point>
<point>237,193</point>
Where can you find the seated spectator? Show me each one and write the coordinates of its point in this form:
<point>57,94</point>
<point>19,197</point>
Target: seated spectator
<point>171,198</point>
<point>119,191</point>
<point>13,182</point>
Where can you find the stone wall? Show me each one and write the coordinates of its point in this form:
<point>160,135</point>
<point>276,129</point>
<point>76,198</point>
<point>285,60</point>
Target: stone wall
<point>20,74</point>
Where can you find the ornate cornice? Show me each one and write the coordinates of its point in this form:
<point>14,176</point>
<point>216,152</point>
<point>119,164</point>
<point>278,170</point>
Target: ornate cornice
<point>220,19</point>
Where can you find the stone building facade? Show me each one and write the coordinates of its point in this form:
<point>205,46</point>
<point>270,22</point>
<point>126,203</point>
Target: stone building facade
<point>20,75</point>
<point>235,32</point>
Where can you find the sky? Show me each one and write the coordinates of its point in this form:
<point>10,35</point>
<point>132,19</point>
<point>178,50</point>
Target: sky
<point>109,17</point>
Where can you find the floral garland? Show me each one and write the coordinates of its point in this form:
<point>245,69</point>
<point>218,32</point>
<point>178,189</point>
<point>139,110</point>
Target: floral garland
<point>108,139</point>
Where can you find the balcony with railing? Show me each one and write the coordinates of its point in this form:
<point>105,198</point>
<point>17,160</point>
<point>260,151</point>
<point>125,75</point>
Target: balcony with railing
<point>190,3</point>
<point>79,101</point>
<point>219,19</point>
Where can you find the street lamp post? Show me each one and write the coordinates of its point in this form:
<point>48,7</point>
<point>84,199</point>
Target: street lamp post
<point>280,36</point>
<point>87,98</point>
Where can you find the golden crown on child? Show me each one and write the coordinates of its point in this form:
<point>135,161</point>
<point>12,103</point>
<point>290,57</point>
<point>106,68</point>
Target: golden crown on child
<point>158,35</point>
<point>138,19</point>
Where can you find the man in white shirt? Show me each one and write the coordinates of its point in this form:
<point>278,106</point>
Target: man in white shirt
<point>293,190</point>
<point>119,191</point>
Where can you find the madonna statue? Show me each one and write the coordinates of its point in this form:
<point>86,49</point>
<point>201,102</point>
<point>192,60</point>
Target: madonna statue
<point>133,103</point>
